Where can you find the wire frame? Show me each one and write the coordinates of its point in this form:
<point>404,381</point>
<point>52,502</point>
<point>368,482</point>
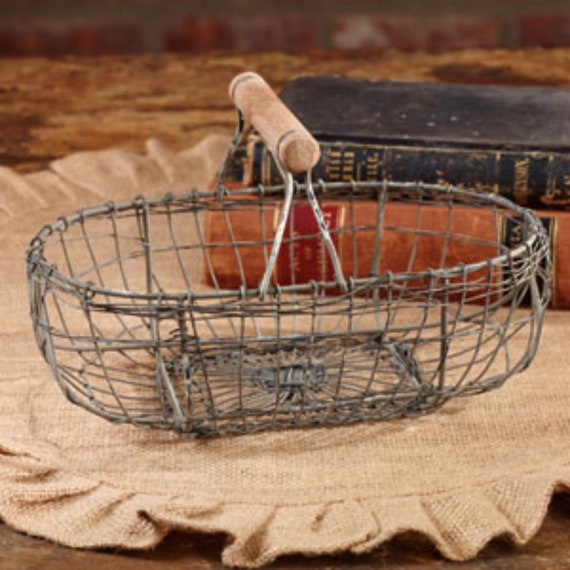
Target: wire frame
<point>150,312</point>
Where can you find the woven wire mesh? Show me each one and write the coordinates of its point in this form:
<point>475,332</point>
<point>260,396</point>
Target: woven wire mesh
<point>149,311</point>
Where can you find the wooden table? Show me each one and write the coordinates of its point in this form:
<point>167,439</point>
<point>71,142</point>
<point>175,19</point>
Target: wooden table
<point>49,108</point>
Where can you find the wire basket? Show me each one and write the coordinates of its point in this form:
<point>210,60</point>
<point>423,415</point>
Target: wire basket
<point>223,312</point>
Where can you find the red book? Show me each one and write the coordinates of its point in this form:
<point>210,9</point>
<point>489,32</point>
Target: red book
<point>413,239</point>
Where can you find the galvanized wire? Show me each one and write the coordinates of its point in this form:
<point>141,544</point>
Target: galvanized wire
<point>149,311</point>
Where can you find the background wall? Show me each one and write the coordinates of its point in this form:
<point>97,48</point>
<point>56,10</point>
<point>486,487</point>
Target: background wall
<point>57,27</point>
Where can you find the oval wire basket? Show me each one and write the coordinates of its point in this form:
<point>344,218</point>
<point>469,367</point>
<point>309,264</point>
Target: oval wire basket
<point>225,312</point>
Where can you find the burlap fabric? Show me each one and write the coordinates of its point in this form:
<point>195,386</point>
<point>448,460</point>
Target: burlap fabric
<point>478,468</point>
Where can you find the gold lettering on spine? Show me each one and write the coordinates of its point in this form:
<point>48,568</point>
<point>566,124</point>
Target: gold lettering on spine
<point>333,165</point>
<point>372,167</point>
<point>348,166</point>
<point>520,186</point>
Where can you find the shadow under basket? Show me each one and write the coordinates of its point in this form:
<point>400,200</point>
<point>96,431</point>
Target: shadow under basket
<point>151,311</point>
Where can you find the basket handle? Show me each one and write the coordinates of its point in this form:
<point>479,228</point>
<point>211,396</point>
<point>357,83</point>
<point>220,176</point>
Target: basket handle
<point>295,151</point>
<point>283,133</point>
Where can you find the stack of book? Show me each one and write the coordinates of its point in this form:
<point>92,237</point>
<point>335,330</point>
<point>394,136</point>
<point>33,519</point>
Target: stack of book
<point>511,141</point>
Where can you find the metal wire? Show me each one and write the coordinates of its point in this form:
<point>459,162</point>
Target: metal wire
<point>161,312</point>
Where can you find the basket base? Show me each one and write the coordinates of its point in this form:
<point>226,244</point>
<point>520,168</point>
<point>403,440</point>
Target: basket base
<point>291,380</point>
<point>327,383</point>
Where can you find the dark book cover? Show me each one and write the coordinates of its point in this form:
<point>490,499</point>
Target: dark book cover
<point>512,141</point>
<point>431,114</point>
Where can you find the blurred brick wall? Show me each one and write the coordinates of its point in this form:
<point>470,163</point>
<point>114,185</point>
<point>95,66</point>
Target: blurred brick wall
<point>57,27</point>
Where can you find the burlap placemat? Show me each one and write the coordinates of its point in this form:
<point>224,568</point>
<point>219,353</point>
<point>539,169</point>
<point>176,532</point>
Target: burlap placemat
<point>478,468</point>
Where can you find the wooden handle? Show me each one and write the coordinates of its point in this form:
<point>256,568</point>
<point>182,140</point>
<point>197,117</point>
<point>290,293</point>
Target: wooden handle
<point>283,133</point>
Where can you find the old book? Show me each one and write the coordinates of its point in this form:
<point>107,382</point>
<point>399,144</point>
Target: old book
<point>513,141</point>
<point>535,179</point>
<point>411,241</point>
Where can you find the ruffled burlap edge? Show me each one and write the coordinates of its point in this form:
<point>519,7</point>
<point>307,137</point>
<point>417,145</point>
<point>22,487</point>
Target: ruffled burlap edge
<point>458,523</point>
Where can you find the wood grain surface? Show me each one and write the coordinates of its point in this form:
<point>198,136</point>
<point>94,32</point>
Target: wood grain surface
<point>49,108</point>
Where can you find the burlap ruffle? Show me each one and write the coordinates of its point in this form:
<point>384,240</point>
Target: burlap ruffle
<point>478,468</point>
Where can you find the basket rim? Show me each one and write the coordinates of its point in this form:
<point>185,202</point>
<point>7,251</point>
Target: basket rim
<point>37,263</point>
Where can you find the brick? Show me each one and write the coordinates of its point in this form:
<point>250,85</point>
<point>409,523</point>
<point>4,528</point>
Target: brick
<point>77,39</point>
<point>458,33</point>
<point>32,41</point>
<point>95,39</point>
<point>287,33</point>
<point>196,35</point>
<point>545,29</point>
<point>377,32</point>
<point>12,43</point>
<point>412,34</point>
<point>283,32</point>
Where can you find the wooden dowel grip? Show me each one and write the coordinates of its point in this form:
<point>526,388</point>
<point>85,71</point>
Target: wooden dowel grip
<point>283,133</point>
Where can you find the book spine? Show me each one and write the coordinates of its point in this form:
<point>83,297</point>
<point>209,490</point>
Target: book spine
<point>557,226</point>
<point>534,179</point>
